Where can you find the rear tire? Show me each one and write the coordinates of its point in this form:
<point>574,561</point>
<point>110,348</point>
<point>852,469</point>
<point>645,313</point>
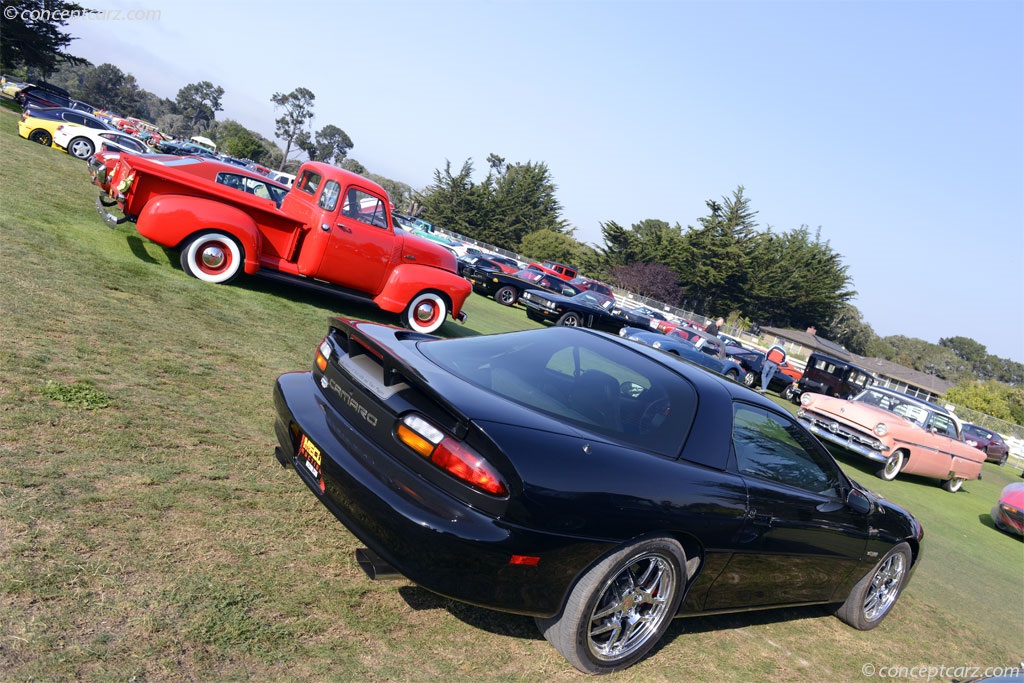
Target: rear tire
<point>953,485</point>
<point>81,148</point>
<point>425,313</point>
<point>570,319</point>
<point>621,608</point>
<point>213,257</point>
<point>42,137</point>
<point>507,296</point>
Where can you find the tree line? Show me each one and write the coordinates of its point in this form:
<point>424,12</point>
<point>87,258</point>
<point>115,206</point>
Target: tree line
<point>724,264</point>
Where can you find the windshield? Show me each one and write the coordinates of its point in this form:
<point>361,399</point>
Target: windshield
<point>905,407</point>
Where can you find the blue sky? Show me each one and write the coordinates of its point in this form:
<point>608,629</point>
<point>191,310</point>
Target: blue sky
<point>897,128</point>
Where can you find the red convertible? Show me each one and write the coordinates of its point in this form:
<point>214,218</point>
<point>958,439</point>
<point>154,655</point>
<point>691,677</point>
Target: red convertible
<point>332,231</point>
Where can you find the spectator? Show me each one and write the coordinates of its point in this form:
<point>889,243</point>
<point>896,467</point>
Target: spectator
<point>775,357</point>
<point>714,327</point>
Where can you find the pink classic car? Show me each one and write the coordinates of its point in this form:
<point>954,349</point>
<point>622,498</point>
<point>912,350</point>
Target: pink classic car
<point>900,432</point>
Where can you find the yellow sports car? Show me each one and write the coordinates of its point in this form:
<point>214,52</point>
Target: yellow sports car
<point>38,125</point>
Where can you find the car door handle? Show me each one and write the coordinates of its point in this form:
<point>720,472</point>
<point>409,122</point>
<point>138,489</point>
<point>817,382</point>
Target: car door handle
<point>762,520</point>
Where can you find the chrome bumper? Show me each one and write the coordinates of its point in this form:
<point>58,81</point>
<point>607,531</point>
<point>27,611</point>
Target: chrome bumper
<point>110,219</point>
<point>846,444</point>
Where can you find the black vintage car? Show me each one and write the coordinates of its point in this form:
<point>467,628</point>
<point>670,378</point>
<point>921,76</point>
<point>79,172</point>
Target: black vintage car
<point>586,309</point>
<point>598,485</point>
<point>506,288</point>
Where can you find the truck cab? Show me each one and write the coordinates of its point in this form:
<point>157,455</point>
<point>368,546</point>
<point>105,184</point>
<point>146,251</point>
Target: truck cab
<point>832,377</point>
<point>557,269</point>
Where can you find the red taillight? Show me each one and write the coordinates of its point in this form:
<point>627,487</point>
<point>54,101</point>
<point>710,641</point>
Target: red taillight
<point>452,456</point>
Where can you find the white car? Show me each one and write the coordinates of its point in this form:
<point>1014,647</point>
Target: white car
<point>82,142</point>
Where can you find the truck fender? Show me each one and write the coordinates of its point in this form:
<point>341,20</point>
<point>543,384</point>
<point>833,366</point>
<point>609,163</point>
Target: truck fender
<point>406,280</point>
<point>169,220</point>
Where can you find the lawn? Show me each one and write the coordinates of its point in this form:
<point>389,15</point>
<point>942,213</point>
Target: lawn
<point>147,532</point>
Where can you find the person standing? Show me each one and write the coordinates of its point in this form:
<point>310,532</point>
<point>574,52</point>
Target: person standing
<point>775,357</point>
<point>714,327</point>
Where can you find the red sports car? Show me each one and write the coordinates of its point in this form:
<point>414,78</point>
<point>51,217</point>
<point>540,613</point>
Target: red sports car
<point>1009,513</point>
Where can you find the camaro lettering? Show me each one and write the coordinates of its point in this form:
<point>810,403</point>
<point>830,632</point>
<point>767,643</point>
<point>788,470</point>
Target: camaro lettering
<point>352,403</point>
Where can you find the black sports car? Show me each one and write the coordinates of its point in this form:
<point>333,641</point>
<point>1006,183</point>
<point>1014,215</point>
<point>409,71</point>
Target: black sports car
<point>586,309</point>
<point>593,483</point>
<point>506,288</point>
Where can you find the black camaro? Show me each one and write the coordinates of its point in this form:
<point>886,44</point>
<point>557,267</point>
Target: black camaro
<point>596,484</point>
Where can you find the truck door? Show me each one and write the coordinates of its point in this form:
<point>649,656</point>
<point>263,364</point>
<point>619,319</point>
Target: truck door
<point>362,243</point>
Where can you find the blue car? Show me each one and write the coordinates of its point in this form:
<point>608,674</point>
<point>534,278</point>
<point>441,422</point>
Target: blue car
<point>675,344</point>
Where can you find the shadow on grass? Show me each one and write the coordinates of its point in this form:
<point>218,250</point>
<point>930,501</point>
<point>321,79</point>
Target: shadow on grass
<point>986,520</point>
<point>500,623</point>
<point>338,305</point>
<point>138,247</point>
<point>519,626</point>
<point>866,471</point>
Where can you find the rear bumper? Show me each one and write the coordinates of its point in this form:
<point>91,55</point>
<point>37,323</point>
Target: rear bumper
<point>428,536</point>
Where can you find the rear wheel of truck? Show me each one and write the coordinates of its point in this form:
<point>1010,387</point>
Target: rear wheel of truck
<point>212,257</point>
<point>425,313</point>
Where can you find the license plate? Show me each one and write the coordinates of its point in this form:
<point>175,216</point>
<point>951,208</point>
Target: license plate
<point>311,456</point>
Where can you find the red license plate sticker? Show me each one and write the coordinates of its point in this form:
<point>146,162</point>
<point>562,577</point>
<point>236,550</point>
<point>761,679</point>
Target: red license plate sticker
<point>311,456</point>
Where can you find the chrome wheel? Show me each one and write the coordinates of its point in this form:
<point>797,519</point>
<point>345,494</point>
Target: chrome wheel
<point>570,320</point>
<point>506,296</point>
<point>877,591</point>
<point>212,257</point>
<point>425,313</point>
<point>884,587</point>
<point>632,608</point>
<point>621,608</point>
<point>892,466</point>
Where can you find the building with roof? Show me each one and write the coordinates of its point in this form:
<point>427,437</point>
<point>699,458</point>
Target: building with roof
<point>891,375</point>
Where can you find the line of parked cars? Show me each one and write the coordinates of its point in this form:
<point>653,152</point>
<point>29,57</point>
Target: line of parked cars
<point>51,117</point>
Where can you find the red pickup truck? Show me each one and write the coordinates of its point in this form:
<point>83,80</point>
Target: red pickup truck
<point>332,231</point>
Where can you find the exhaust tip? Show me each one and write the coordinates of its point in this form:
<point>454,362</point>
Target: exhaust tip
<point>374,567</point>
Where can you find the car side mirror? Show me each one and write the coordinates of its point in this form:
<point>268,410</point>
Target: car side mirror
<point>858,501</point>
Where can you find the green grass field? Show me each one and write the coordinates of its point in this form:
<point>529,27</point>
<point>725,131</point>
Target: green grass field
<point>148,534</point>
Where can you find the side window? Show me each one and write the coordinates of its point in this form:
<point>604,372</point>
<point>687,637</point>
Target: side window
<point>256,187</point>
<point>329,198</point>
<point>232,180</point>
<point>942,424</point>
<point>309,182</point>
<point>771,446</point>
<point>365,208</point>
